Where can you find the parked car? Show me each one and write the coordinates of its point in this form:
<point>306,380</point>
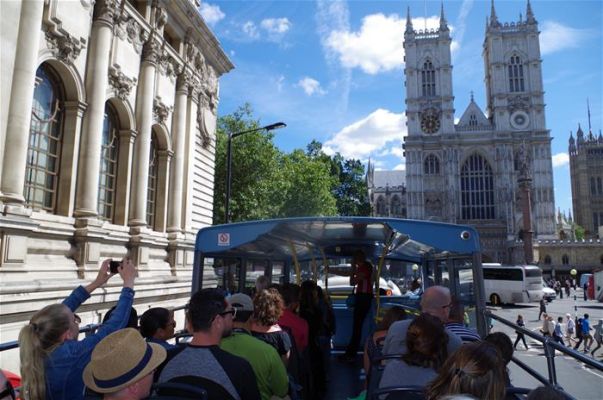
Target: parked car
<point>547,293</point>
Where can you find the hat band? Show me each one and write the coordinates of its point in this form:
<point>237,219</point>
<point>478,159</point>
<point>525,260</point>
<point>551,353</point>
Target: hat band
<point>120,380</point>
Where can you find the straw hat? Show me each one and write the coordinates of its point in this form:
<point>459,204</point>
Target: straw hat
<point>121,359</point>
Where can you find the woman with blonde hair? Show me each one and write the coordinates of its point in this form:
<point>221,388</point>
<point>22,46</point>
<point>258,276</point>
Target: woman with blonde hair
<point>475,369</point>
<point>52,359</point>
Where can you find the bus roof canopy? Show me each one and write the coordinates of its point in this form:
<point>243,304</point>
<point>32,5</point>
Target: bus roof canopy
<point>309,237</point>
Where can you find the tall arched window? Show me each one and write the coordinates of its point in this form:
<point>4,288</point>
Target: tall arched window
<point>431,166</point>
<point>45,138</point>
<point>477,189</point>
<point>516,74</point>
<point>565,259</point>
<point>599,185</point>
<point>152,185</point>
<point>547,259</point>
<point>428,79</point>
<point>108,165</point>
<point>380,206</point>
<point>472,120</point>
<point>593,186</point>
<point>395,206</point>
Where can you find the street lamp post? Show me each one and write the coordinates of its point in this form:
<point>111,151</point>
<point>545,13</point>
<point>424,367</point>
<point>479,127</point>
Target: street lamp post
<point>231,136</point>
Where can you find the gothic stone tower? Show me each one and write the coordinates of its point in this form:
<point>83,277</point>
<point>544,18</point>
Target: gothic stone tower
<point>468,172</point>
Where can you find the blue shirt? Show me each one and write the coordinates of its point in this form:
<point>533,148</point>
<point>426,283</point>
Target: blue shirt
<point>585,326</point>
<point>65,365</point>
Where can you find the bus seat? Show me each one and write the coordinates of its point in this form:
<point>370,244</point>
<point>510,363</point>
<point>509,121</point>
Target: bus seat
<point>398,393</point>
<point>374,376</point>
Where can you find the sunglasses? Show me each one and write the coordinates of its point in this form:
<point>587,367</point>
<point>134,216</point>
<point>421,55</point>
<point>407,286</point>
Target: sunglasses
<point>232,311</point>
<point>9,391</point>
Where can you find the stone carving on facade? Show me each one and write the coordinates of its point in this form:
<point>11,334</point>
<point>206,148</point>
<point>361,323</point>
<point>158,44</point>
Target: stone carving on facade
<point>168,66</point>
<point>518,103</point>
<point>205,138</point>
<point>106,11</point>
<point>161,16</point>
<point>161,111</point>
<point>121,83</point>
<point>129,29</point>
<point>151,51</point>
<point>209,95</point>
<point>64,46</point>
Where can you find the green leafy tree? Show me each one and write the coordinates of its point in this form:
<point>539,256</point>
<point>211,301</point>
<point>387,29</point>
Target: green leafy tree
<point>580,231</point>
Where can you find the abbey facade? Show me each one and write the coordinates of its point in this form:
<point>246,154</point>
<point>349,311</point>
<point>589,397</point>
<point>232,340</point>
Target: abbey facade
<point>106,149</point>
<point>467,172</point>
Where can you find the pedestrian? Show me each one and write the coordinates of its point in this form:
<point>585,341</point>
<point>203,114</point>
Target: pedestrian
<point>568,285</point>
<point>520,336</point>
<point>558,332</point>
<point>588,339</point>
<point>360,279</point>
<point>585,293</point>
<point>598,336</point>
<point>579,334</point>
<point>545,326</point>
<point>570,329</point>
<point>542,308</point>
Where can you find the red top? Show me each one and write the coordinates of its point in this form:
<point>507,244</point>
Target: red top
<point>298,326</point>
<point>362,278</point>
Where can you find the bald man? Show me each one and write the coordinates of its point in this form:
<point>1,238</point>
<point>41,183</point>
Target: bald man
<point>435,301</point>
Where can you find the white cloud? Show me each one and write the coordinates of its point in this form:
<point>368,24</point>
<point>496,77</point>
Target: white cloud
<point>400,167</point>
<point>311,86</point>
<point>560,160</point>
<point>276,25</point>
<point>368,135</point>
<point>211,14</point>
<point>378,45</point>
<point>251,30</point>
<point>279,82</point>
<point>556,37</point>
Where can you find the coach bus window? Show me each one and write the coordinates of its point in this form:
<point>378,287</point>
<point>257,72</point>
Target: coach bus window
<point>253,270</point>
<point>227,273</point>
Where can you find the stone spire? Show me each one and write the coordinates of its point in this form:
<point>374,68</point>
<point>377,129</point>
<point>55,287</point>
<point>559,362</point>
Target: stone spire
<point>580,134</point>
<point>493,18</point>
<point>443,23</point>
<point>529,14</point>
<point>409,28</point>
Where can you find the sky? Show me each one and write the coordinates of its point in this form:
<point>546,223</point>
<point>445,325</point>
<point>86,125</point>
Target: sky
<point>333,71</point>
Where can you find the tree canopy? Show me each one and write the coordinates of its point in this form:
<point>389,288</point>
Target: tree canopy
<point>269,183</point>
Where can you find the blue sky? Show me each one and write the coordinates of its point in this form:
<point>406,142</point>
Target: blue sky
<point>333,70</point>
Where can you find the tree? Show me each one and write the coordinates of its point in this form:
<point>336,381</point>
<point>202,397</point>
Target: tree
<point>580,231</point>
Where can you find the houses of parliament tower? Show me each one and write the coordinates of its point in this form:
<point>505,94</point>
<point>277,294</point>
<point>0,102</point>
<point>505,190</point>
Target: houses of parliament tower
<point>467,172</point>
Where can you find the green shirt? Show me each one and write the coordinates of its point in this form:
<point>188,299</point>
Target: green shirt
<point>268,366</point>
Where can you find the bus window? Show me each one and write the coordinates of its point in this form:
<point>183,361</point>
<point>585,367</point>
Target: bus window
<point>225,274</point>
<point>253,270</point>
<point>278,272</point>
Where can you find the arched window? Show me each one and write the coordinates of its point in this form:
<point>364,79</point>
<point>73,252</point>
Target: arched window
<point>395,206</point>
<point>599,185</point>
<point>152,185</point>
<point>45,138</point>
<point>108,165</point>
<point>380,206</point>
<point>516,74</point>
<point>547,259</point>
<point>472,120</point>
<point>431,166</point>
<point>565,259</point>
<point>593,186</point>
<point>596,221</point>
<point>477,189</point>
<point>428,79</point>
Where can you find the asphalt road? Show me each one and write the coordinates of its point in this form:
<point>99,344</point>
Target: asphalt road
<point>580,381</point>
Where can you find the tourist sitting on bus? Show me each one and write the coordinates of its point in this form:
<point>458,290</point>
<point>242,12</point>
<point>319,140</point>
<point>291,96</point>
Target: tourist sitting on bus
<point>121,366</point>
<point>202,363</point>
<point>298,326</point>
<point>52,360</point>
<point>503,343</point>
<point>426,342</point>
<point>269,370</point>
<point>157,325</point>
<point>132,317</point>
<point>475,369</point>
<point>456,323</point>
<point>261,283</point>
<point>374,343</point>
<point>267,309</point>
<point>436,301</point>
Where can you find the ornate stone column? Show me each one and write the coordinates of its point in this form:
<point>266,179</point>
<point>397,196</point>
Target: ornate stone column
<point>174,219</point>
<point>144,121</point>
<point>21,99</point>
<point>97,79</point>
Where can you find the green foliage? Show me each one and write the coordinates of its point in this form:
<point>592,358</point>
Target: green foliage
<point>579,232</point>
<point>267,183</point>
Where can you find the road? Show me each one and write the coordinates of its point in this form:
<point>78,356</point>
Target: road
<point>584,383</point>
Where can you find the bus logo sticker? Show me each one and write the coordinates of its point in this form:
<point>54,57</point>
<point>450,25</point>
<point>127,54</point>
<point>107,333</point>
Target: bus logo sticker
<point>224,239</point>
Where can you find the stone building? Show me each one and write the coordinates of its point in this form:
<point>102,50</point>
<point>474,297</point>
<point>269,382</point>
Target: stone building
<point>468,172</point>
<point>586,172</point>
<point>387,192</point>
<point>106,147</point>
<point>559,257</point>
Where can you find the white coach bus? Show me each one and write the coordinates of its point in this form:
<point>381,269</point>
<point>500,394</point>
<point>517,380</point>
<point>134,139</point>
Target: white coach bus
<point>512,284</point>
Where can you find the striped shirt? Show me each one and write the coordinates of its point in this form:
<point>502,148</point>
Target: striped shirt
<point>466,334</point>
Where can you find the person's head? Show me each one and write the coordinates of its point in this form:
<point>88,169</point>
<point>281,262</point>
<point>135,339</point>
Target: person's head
<point>358,257</point>
<point>132,318</point>
<point>520,317</point>
<point>436,301</point>
<point>210,313</point>
<point>290,294</point>
<point>426,342</point>
<point>474,369</point>
<point>559,319</point>
<point>7,392</point>
<point>568,316</point>
<point>261,283</point>
<point>457,311</point>
<point>244,307</point>
<point>46,330</point>
<point>308,296</point>
<point>503,343</point>
<point>157,323</point>
<point>267,307</point>
<point>121,365</point>
<point>393,314</point>
<point>585,316</point>
<point>545,393</point>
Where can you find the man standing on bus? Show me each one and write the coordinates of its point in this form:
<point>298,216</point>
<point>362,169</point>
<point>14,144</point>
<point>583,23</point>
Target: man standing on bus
<point>361,280</point>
